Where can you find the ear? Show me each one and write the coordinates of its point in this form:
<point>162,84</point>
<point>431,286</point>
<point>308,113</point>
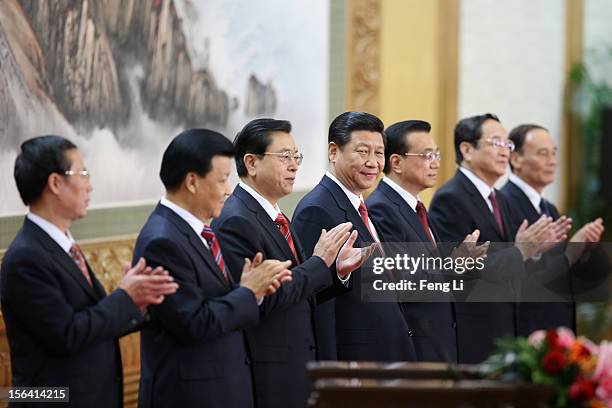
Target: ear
<point>394,163</point>
<point>54,182</point>
<point>191,182</point>
<point>332,152</point>
<point>466,150</point>
<point>250,162</point>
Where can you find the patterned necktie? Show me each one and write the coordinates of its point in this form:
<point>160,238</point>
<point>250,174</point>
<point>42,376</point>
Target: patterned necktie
<point>363,212</point>
<point>79,260</point>
<point>422,214</point>
<point>283,225</point>
<point>215,248</point>
<point>496,213</point>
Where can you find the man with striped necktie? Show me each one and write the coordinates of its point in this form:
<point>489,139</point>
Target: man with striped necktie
<point>283,342</point>
<point>62,328</point>
<point>194,353</point>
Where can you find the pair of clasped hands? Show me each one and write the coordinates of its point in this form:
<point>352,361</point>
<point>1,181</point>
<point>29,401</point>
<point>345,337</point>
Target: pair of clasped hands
<point>539,237</point>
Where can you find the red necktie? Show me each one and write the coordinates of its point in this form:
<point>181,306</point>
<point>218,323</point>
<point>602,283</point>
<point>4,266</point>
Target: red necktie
<point>422,214</point>
<point>215,248</point>
<point>283,225</point>
<point>363,212</point>
<point>79,260</point>
<point>496,213</point>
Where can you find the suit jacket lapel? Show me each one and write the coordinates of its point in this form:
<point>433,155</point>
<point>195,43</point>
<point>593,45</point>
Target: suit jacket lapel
<point>195,242</point>
<point>63,258</point>
<point>480,204</point>
<point>343,202</point>
<point>406,211</point>
<point>266,222</point>
<point>523,202</point>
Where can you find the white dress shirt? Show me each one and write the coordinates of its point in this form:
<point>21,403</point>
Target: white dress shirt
<point>65,241</point>
<point>355,200</point>
<point>193,221</point>
<point>411,200</point>
<point>534,197</point>
<point>483,188</point>
<point>272,211</point>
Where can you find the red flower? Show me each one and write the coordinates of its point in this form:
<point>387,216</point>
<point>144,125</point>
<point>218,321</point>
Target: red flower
<point>582,390</point>
<point>552,339</point>
<point>554,362</point>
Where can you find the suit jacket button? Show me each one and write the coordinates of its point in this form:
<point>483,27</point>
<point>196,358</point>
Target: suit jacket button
<point>247,361</point>
<point>409,332</point>
<point>454,325</point>
<point>312,347</point>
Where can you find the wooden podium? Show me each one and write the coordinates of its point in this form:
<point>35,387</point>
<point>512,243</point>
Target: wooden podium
<point>395,385</point>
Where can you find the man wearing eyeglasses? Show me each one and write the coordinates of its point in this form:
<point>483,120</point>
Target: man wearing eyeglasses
<point>468,202</point>
<point>283,342</point>
<point>412,160</point>
<point>533,164</point>
<point>62,329</point>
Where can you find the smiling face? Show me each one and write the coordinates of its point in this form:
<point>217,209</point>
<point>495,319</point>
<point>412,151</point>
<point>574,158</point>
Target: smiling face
<point>73,190</point>
<point>270,174</point>
<point>537,161</point>
<point>359,162</point>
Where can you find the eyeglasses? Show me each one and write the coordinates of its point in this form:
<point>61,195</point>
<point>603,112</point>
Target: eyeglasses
<point>429,156</point>
<point>287,156</point>
<point>82,173</point>
<point>498,143</point>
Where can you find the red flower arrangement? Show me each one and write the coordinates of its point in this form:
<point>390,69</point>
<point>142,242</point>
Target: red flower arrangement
<point>579,370</point>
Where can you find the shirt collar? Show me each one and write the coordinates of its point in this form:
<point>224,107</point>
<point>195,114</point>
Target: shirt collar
<point>65,241</point>
<point>355,199</point>
<point>409,198</point>
<point>534,197</point>
<point>194,222</point>
<point>483,188</point>
<point>271,210</point>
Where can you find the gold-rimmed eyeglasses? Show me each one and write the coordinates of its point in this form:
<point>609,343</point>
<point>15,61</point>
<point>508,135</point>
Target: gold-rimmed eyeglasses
<point>429,156</point>
<point>287,156</point>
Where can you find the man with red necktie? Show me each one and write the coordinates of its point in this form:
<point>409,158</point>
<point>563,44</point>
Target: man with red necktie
<point>469,201</point>
<point>283,342</point>
<point>347,327</point>
<point>62,328</point>
<point>412,160</point>
<point>193,352</point>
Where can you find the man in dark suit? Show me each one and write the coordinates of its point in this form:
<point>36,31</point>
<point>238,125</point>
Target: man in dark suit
<point>283,342</point>
<point>469,201</point>
<point>62,329</point>
<point>193,351</point>
<point>533,164</point>
<point>347,327</point>
<point>412,159</point>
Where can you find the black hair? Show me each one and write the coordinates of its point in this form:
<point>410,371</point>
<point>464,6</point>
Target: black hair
<point>397,141</point>
<point>470,130</point>
<point>38,159</point>
<point>192,151</point>
<point>344,124</point>
<point>254,138</point>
